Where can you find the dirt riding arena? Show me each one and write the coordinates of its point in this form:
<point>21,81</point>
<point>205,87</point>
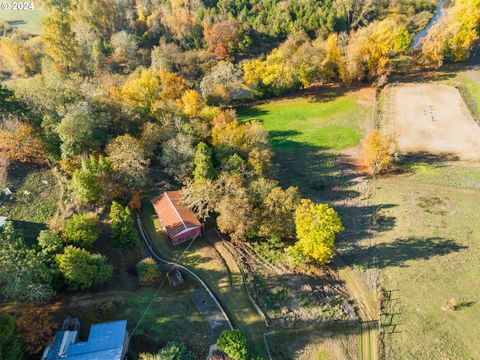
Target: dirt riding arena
<point>434,118</point>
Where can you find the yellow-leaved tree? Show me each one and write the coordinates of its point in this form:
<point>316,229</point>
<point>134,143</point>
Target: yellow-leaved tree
<point>378,150</point>
<point>370,49</point>
<point>454,36</point>
<point>148,89</point>
<point>192,103</point>
<point>316,226</point>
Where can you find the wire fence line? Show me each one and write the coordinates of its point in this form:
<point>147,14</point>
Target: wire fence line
<point>257,308</point>
<point>469,101</point>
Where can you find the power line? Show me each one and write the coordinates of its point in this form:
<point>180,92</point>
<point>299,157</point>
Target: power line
<point>158,291</point>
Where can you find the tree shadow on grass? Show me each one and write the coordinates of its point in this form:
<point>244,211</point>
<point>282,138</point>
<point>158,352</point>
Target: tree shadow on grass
<point>321,94</point>
<point>251,112</point>
<point>320,174</point>
<point>446,73</point>
<point>16,22</point>
<point>318,94</point>
<point>400,251</point>
<point>407,162</point>
<point>362,222</point>
<point>326,176</point>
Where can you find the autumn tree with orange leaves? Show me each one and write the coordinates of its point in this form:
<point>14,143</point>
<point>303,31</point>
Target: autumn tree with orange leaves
<point>221,36</point>
<point>36,328</point>
<point>19,142</point>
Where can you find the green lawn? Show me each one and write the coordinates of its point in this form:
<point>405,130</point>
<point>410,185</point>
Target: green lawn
<point>219,270</point>
<point>428,252</point>
<point>25,20</point>
<point>332,124</point>
<point>34,199</point>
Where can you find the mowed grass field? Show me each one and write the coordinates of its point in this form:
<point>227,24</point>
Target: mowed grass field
<point>332,123</point>
<point>427,255</point>
<point>25,20</point>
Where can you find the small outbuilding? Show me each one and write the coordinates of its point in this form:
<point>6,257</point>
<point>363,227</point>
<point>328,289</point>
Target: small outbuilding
<point>180,223</point>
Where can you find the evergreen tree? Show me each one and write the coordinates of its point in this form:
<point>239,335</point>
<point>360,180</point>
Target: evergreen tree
<point>82,269</point>
<point>90,182</point>
<point>204,169</point>
<point>124,234</point>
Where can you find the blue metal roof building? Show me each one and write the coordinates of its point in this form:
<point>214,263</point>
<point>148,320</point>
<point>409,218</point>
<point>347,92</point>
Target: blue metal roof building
<point>106,341</point>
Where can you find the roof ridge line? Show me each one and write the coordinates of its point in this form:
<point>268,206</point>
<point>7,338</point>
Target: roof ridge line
<point>176,211</point>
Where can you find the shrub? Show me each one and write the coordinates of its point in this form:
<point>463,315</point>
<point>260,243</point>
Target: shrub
<point>11,347</point>
<point>172,351</point>
<point>148,272</point>
<point>82,230</point>
<point>108,307</point>
<point>234,344</point>
<point>81,269</point>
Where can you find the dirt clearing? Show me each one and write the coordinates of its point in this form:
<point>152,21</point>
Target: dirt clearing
<point>433,118</point>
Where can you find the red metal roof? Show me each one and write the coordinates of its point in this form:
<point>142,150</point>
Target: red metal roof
<point>176,218</point>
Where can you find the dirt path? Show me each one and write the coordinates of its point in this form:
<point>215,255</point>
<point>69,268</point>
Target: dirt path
<point>367,305</point>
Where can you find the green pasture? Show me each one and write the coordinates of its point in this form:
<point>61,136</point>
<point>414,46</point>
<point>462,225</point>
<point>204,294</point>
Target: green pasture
<point>308,135</point>
<point>332,123</point>
<point>427,250</point>
<point>25,20</point>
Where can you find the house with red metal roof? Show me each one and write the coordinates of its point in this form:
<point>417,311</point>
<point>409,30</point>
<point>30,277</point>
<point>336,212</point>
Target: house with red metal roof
<point>180,223</point>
